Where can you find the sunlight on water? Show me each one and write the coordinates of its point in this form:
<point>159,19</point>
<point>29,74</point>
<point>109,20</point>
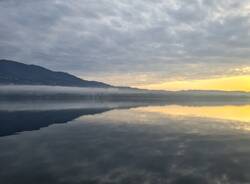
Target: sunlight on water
<point>237,113</point>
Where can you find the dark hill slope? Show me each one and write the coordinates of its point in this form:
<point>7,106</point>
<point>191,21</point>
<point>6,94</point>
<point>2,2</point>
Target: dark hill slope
<point>12,72</point>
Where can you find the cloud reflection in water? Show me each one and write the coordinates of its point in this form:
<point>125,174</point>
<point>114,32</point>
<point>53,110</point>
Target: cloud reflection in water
<point>128,146</point>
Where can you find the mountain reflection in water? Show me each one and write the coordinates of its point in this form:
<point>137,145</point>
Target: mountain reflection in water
<point>114,144</point>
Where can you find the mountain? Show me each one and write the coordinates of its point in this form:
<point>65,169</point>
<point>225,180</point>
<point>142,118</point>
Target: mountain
<point>12,72</point>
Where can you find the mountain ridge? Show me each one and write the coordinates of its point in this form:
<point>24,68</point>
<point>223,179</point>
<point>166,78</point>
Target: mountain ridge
<point>17,73</point>
<point>13,72</point>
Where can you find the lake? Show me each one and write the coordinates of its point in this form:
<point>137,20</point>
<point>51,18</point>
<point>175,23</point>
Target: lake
<point>77,142</point>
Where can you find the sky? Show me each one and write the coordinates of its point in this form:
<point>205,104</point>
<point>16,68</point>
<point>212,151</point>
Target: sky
<point>153,44</point>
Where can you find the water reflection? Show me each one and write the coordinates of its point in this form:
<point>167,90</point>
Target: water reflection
<point>227,112</point>
<point>18,121</point>
<point>138,145</point>
<point>28,116</point>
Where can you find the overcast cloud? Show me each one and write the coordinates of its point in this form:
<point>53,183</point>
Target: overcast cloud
<point>114,40</point>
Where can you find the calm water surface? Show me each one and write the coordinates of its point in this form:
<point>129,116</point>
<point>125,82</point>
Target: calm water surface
<point>125,144</point>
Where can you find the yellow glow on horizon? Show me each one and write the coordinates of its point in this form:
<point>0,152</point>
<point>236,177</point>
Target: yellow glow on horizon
<point>234,83</point>
<point>237,113</point>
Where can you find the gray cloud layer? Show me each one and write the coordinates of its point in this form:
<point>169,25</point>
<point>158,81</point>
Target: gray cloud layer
<point>155,40</point>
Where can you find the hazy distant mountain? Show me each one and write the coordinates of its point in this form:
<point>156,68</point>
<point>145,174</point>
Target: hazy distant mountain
<point>12,72</point>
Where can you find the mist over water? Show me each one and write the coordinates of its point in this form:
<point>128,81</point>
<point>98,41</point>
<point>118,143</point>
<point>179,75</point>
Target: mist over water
<point>17,93</point>
<point>39,89</point>
<point>186,139</point>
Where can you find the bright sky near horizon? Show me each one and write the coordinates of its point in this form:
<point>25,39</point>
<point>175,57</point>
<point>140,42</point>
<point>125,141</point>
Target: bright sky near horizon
<point>232,83</point>
<point>172,45</point>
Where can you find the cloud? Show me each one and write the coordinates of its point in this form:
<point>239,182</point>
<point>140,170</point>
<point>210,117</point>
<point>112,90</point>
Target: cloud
<point>105,37</point>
